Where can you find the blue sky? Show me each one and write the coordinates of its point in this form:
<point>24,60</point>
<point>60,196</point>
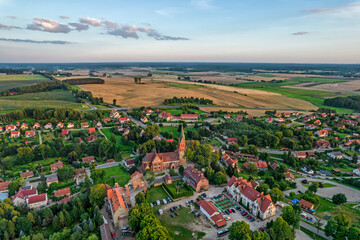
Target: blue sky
<point>312,31</point>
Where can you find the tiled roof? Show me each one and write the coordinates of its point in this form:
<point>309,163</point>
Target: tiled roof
<point>306,203</point>
<point>194,174</point>
<point>23,193</point>
<point>218,220</point>
<point>208,207</point>
<point>62,192</point>
<point>4,185</point>
<point>37,198</point>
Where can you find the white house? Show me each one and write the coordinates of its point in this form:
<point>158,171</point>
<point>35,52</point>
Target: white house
<point>211,213</point>
<point>357,171</point>
<point>336,155</point>
<point>307,170</point>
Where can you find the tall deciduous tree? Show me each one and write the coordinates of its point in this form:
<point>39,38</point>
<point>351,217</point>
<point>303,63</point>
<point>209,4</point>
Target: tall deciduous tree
<point>240,231</point>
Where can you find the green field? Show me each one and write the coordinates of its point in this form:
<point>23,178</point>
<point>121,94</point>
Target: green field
<point>186,86</point>
<point>120,175</point>
<point>318,80</point>
<point>181,225</point>
<point>52,99</point>
<point>174,130</point>
<point>156,193</point>
<point>16,81</point>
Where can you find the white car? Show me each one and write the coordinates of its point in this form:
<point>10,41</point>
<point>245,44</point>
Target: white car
<point>158,202</point>
<point>164,201</point>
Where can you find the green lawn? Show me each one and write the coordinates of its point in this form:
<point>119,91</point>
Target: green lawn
<point>183,190</point>
<point>156,193</point>
<point>121,176</point>
<point>52,99</point>
<point>181,225</point>
<point>169,129</point>
<point>17,81</point>
<point>125,148</point>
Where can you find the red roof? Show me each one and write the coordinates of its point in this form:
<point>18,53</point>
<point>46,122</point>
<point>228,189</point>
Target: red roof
<point>188,115</point>
<point>37,198</point>
<point>4,185</point>
<point>208,207</point>
<point>91,129</point>
<point>64,132</point>
<point>306,203</point>
<point>62,192</point>
<point>23,193</point>
<point>219,220</point>
<point>84,124</point>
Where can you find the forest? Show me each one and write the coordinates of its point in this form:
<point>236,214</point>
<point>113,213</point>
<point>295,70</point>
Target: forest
<point>80,81</point>
<point>351,102</point>
<point>196,100</point>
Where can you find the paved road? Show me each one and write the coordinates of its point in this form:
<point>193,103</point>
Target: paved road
<point>137,122</point>
<point>40,137</point>
<point>314,229</point>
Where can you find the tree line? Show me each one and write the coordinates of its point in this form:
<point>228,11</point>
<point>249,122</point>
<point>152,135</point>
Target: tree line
<point>196,100</point>
<point>80,81</point>
<point>351,102</point>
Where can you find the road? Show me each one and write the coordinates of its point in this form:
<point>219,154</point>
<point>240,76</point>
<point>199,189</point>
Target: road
<point>40,137</point>
<point>314,230</point>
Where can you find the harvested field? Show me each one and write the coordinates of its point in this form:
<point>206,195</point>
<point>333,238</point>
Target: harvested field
<point>154,90</point>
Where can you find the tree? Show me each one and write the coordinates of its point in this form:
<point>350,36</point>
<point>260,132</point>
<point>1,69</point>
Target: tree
<point>73,156</point>
<point>261,236</point>
<point>339,198</point>
<point>66,173</point>
<point>240,231</point>
<point>140,198</point>
<point>342,220</point>
<point>48,216</point>
<point>23,224</point>
<point>25,154</point>
<point>281,230</point>
<point>30,218</point>
<point>263,187</point>
<point>330,228</point>
<point>276,195</point>
<point>62,219</point>
<point>314,187</point>
<point>291,217</point>
<point>251,168</point>
<point>353,233</point>
<point>114,101</point>
<point>181,170</point>
<point>270,181</point>
<point>98,194</point>
<point>172,172</point>
<point>56,223</point>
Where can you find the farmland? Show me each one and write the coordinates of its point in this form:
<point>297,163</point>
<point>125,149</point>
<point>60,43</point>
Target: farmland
<point>17,81</point>
<point>53,99</point>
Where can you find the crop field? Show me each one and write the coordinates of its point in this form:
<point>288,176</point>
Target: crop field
<point>53,99</point>
<point>16,81</point>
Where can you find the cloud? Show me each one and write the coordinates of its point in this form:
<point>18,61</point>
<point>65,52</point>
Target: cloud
<point>346,10</point>
<point>110,25</point>
<point>12,17</point>
<point>64,17</point>
<point>202,4</point>
<point>57,42</point>
<point>163,12</point>
<point>48,25</point>
<point>91,21</point>
<point>131,31</point>
<point>300,33</point>
<point>79,26</point>
<point>7,27</point>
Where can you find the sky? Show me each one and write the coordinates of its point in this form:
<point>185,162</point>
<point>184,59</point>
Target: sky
<point>276,31</point>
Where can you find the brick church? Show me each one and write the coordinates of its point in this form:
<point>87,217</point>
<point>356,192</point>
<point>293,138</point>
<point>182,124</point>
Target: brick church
<point>159,161</point>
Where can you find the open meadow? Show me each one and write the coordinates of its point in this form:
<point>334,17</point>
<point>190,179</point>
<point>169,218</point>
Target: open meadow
<point>19,80</point>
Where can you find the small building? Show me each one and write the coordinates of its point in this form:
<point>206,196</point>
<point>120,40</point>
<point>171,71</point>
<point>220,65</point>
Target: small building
<point>36,125</point>
<point>10,128</point>
<point>189,117</point>
<point>20,197</point>
<point>300,155</point>
<point>357,171</point>
<point>24,126</point>
<point>48,126</point>
<point>60,125</point>
<point>321,133</point>
<point>84,125</point>
<point>308,206</point>
<point>129,163</point>
<point>232,141</point>
<point>239,118</point>
<point>64,132</point>
<point>211,213</point>
<point>52,179</point>
<point>196,179</point>
<point>289,177</point>
<point>88,160</point>
<point>54,167</point>
<point>137,180</point>
<point>144,119</point>
<point>91,130</point>
<point>4,186</point>
<point>336,155</point>
<point>70,125</point>
<point>322,144</point>
<point>80,175</point>
<point>91,138</point>
<point>37,201</point>
<point>15,134</point>
<point>269,120</point>
<point>307,170</point>
<point>27,174</point>
<point>167,179</point>
<point>227,116</point>
<point>62,192</point>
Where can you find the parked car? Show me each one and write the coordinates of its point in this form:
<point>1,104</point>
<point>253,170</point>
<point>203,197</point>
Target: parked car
<point>151,205</point>
<point>328,216</point>
<point>233,210</point>
<point>113,235</point>
<point>172,215</point>
<point>169,200</point>
<point>176,213</point>
<point>154,203</point>
<point>253,219</point>
<point>180,206</point>
<point>229,210</point>
<point>237,208</point>
<point>244,214</point>
<point>164,201</point>
<point>197,215</point>
<point>227,218</point>
<point>249,217</point>
<point>194,211</point>
<point>300,192</point>
<point>158,202</point>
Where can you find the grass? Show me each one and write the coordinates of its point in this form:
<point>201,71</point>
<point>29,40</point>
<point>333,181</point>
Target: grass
<point>186,86</point>
<point>182,190</point>
<point>169,129</point>
<point>52,99</point>
<point>17,81</point>
<point>122,177</point>
<point>124,148</point>
<point>156,193</point>
<point>318,80</point>
<point>17,168</point>
<point>181,224</point>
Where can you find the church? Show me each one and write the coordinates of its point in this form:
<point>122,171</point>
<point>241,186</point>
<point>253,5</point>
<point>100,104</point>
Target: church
<point>160,161</point>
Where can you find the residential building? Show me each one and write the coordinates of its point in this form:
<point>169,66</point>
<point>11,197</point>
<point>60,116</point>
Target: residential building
<point>114,114</point>
<point>37,201</point>
<point>336,155</point>
<point>321,133</point>
<point>91,138</point>
<point>4,186</point>
<point>259,205</point>
<point>60,125</point>
<point>137,180</point>
<point>88,160</point>
<point>227,116</point>
<point>48,126</point>
<point>144,119</point>
<point>289,176</point>
<point>80,175</point>
<point>52,179</point>
<point>357,171</point>
<point>227,160</point>
<point>91,130</point>
<point>211,213</point>
<point>269,120</point>
<point>196,179</point>
<point>307,170</point>
<point>10,128</point>
<point>64,132</point>
<point>24,126</point>
<point>166,116</point>
<point>167,179</point>
<point>300,155</point>
<point>36,125</point>
<point>239,118</point>
<point>15,134</point>
<point>232,141</point>
<point>70,125</point>
<point>322,144</point>
<point>27,174</point>
<point>84,125</point>
<point>118,207</point>
<point>62,192</point>
<point>189,117</point>
<point>54,167</point>
<point>260,165</point>
<point>129,163</point>
<point>20,197</point>
<point>306,205</point>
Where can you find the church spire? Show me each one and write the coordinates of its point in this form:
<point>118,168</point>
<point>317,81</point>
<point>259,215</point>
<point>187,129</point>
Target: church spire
<point>182,135</point>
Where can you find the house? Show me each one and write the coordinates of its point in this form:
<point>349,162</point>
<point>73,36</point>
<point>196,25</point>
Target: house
<point>260,166</point>
<point>336,155</point>
<point>129,163</point>
<point>91,138</point>
<point>114,114</point>
<point>91,130</point>
<point>196,179</point>
<point>4,186</point>
<point>274,165</point>
<point>10,128</point>
<point>98,124</point>
<point>227,116</point>
<point>324,173</point>
<point>124,120</point>
<point>24,126</point>
<point>278,114</point>
<point>351,142</point>
<point>232,141</point>
<point>160,161</point>
<point>287,114</point>
<point>48,126</point>
<point>36,125</point>
<point>239,118</point>
<point>307,170</point>
<point>118,206</point>
<point>20,197</point>
<point>37,201</point>
<point>317,122</point>
<point>144,119</point>
<point>27,174</point>
<point>211,213</point>
<point>269,120</point>
<point>84,125</point>
<point>137,180</point>
<point>147,112</point>
<point>309,126</point>
<point>80,175</point>
<point>166,116</point>
<point>15,134</point>
<point>110,160</point>
<point>321,133</point>
<point>306,119</point>
<point>106,120</point>
<point>357,171</point>
<point>60,125</point>
<point>167,179</point>
<point>64,132</point>
<point>324,115</point>
<point>307,206</point>
<point>70,125</point>
<point>55,166</point>
<point>280,120</point>
<point>52,179</point>
<point>258,204</point>
<point>88,160</point>
<point>289,177</point>
<point>322,144</point>
<point>340,126</point>
<point>62,192</point>
<point>227,160</point>
<point>249,116</point>
<point>189,117</point>
<point>299,155</point>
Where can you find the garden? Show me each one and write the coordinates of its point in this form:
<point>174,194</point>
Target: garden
<point>179,189</point>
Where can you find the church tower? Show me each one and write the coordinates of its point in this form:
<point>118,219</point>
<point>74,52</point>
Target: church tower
<point>182,146</point>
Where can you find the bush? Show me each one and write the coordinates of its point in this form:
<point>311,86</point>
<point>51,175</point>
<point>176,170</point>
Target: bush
<point>339,198</point>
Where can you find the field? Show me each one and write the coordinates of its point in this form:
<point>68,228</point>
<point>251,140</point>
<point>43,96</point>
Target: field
<point>53,99</point>
<point>119,174</point>
<point>155,193</point>
<point>16,81</point>
<point>153,92</point>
